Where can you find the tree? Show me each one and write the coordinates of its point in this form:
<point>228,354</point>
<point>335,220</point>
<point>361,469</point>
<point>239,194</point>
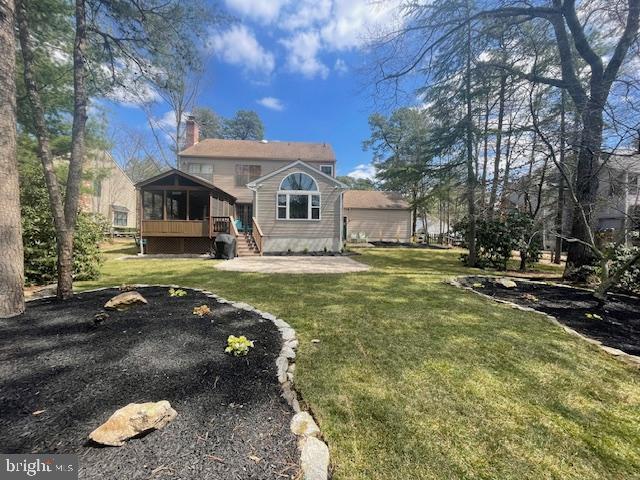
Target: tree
<point>245,125</point>
<point>579,35</point>
<point>114,36</point>
<point>209,123</point>
<point>400,153</point>
<point>357,183</point>
<point>11,263</point>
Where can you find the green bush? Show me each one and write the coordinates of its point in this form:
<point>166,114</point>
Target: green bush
<point>630,281</point>
<point>496,239</point>
<point>39,234</point>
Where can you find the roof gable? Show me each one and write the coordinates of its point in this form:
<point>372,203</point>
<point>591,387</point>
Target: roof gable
<point>189,180</point>
<point>298,163</point>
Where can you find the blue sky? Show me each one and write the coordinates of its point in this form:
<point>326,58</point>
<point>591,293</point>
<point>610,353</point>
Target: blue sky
<point>297,63</point>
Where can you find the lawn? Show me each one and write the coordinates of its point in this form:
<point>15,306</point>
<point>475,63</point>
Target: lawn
<point>415,379</point>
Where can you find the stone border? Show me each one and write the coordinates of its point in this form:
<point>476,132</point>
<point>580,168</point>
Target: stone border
<point>314,453</point>
<point>629,359</point>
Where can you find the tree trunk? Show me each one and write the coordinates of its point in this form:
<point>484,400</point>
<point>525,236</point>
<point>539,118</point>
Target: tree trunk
<point>42,134</point>
<point>12,257</point>
<point>471,175</point>
<point>496,162</point>
<point>485,161</point>
<point>72,196</point>
<point>557,258</point>
<point>586,187</point>
<point>507,167</point>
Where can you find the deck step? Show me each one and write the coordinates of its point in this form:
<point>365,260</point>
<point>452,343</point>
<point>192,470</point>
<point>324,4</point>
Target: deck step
<point>246,246</point>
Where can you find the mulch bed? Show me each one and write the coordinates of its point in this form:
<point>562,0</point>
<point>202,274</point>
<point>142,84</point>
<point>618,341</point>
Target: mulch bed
<point>619,326</point>
<point>232,421</point>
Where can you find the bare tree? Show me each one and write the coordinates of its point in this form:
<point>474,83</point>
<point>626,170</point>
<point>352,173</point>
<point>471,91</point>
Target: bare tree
<point>11,260</point>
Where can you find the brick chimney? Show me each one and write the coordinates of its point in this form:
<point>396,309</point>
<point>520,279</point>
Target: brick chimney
<point>192,133</point>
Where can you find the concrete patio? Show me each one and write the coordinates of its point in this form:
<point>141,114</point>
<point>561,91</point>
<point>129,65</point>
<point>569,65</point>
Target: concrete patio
<point>293,264</point>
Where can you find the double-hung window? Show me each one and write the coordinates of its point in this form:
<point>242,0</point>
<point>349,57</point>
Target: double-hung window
<point>120,218</point>
<point>298,198</point>
<point>204,170</point>
<point>247,173</point>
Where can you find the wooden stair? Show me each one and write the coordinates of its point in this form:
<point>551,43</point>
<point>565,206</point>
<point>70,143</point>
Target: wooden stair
<point>246,246</point>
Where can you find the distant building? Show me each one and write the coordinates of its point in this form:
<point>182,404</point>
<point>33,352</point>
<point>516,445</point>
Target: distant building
<point>618,201</point>
<point>111,193</point>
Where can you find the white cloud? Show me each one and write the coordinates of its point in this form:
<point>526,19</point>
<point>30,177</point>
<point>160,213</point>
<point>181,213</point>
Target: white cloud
<point>302,54</point>
<point>364,170</point>
<point>239,46</point>
<point>340,66</point>
<point>305,14</point>
<point>271,103</point>
<point>352,21</point>
<point>265,11</point>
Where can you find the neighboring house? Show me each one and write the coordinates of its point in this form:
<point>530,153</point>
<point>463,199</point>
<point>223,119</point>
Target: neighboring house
<point>112,193</point>
<point>617,206</point>
<point>380,216</point>
<point>272,196</point>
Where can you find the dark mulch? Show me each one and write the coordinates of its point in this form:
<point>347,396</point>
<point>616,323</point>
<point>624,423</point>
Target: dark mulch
<point>618,328</point>
<point>52,358</point>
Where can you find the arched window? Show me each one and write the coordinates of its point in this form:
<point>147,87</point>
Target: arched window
<point>298,198</point>
<point>299,181</point>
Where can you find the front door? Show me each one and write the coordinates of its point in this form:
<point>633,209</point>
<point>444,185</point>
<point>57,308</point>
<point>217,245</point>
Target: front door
<point>244,213</point>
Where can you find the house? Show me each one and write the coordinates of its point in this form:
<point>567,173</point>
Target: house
<point>380,216</point>
<point>617,206</point>
<point>110,193</point>
<point>271,196</point>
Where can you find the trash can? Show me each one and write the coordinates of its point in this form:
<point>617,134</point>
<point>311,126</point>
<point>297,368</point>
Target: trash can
<point>225,246</point>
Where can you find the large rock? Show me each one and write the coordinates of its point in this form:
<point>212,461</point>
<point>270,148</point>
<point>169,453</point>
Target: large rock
<point>506,283</point>
<point>125,300</point>
<point>303,424</point>
<point>314,459</point>
<point>132,420</point>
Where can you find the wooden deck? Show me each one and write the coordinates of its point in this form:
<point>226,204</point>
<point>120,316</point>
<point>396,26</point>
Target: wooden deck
<point>185,228</point>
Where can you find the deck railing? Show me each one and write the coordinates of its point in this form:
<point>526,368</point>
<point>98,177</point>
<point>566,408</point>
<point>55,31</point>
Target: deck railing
<point>257,234</point>
<point>234,231</point>
<point>219,225</point>
<point>175,228</point>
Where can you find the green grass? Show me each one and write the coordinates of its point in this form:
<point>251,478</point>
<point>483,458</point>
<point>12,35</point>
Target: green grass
<point>415,379</point>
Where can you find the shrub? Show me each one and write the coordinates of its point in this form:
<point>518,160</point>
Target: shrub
<point>497,238</point>
<point>238,346</point>
<point>38,232</point>
<point>177,292</point>
<point>630,281</point>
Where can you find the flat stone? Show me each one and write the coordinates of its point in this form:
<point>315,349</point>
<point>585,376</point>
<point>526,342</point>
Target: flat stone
<point>268,316</point>
<point>125,300</point>
<point>292,344</point>
<point>278,322</point>
<point>289,394</point>
<point>506,283</point>
<point>282,364</point>
<point>132,420</point>
<point>314,459</point>
<point>303,424</point>
<point>292,368</point>
<point>612,351</point>
<point>288,334</point>
<point>288,352</point>
<point>243,306</point>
